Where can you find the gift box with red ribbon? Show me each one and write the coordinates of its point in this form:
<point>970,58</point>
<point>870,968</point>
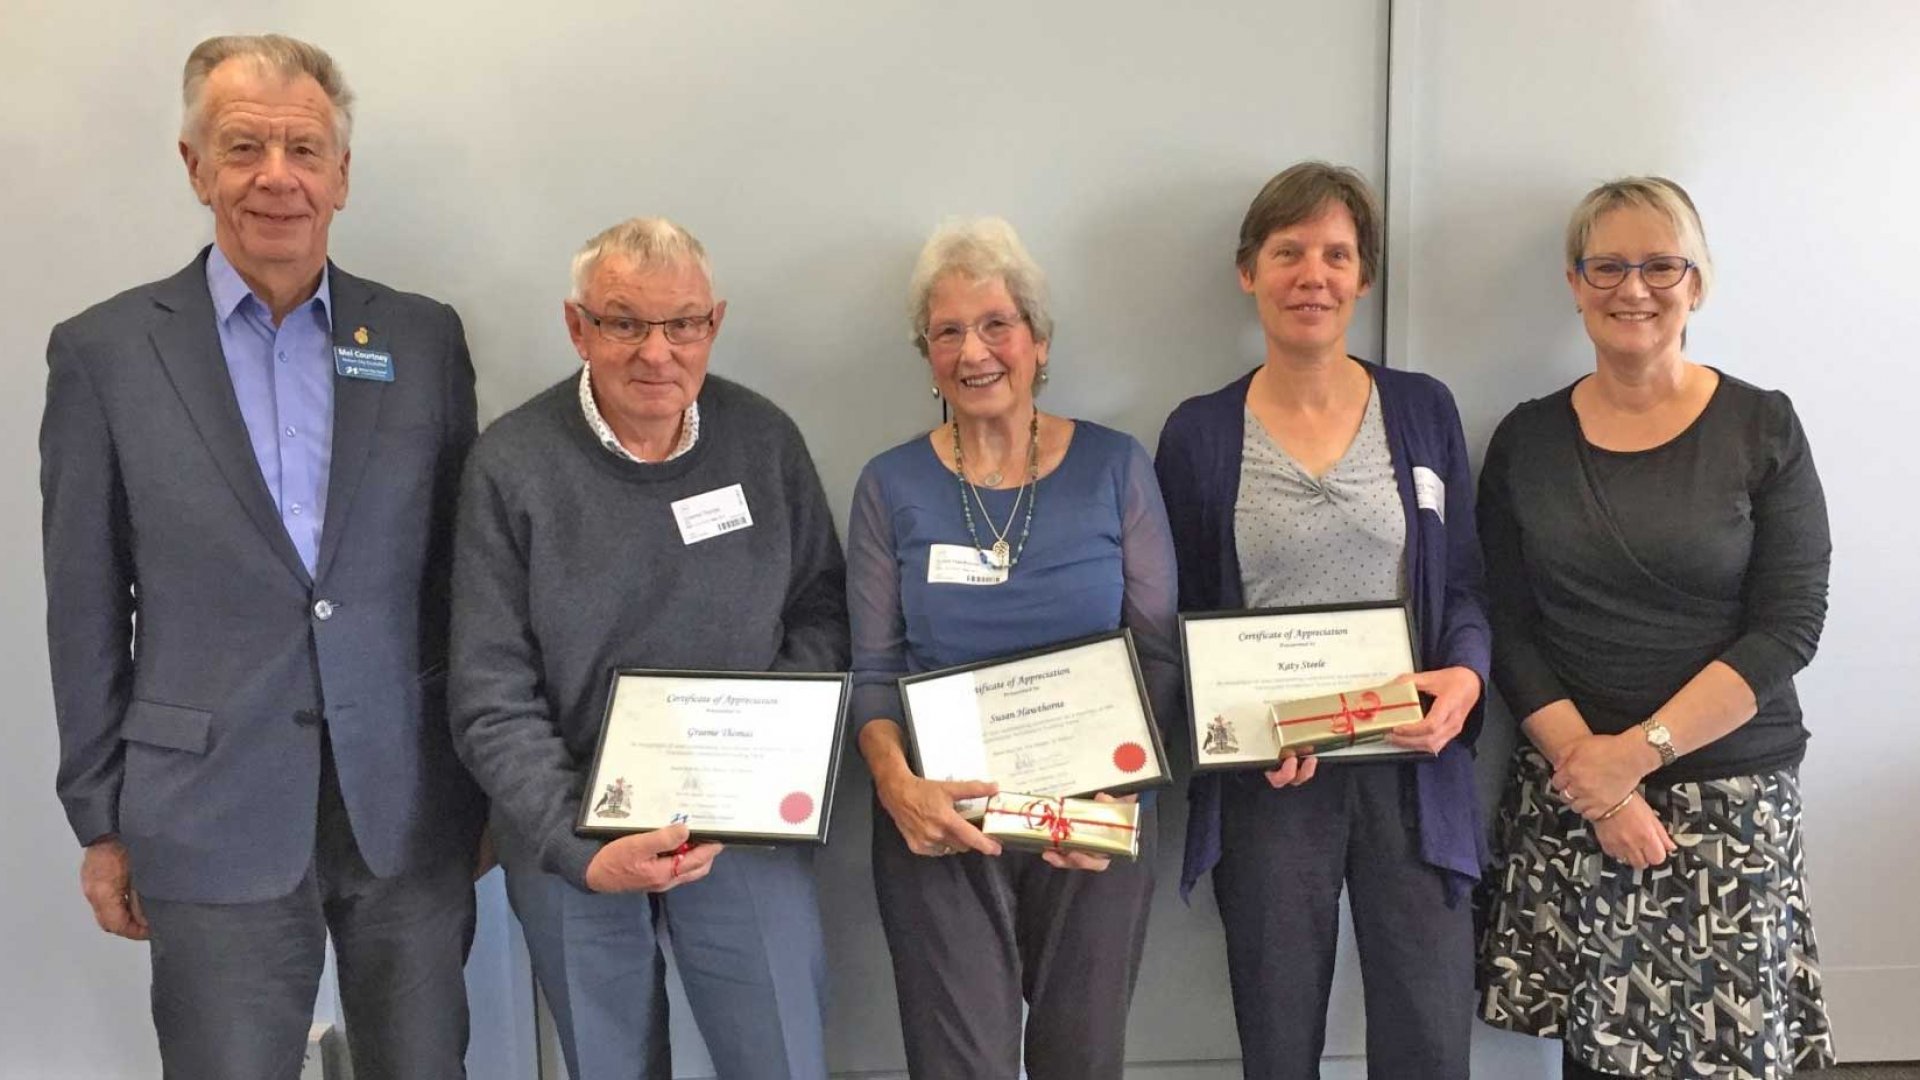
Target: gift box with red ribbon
<point>1332,721</point>
<point>1043,823</point>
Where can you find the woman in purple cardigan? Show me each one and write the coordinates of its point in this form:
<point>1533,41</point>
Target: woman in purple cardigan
<point>1320,478</point>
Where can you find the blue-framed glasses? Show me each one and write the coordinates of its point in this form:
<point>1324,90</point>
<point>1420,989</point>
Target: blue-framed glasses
<point>1659,272</point>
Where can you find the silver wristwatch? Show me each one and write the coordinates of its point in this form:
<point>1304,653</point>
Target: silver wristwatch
<point>1660,739</point>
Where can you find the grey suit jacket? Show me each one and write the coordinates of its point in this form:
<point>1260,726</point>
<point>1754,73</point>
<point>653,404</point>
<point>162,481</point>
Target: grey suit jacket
<point>194,659</point>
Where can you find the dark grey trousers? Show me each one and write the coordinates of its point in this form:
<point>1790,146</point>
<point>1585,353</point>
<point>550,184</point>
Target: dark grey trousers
<point>974,936</point>
<point>1285,856</point>
<point>234,984</point>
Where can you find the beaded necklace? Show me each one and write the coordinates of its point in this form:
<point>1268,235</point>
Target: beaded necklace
<point>1000,554</point>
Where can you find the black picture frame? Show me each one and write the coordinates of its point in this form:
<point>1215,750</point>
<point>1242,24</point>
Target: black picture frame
<point>1164,778</point>
<point>1194,720</point>
<point>829,783</point>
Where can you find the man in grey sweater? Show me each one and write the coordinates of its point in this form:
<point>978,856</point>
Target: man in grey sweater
<point>642,514</point>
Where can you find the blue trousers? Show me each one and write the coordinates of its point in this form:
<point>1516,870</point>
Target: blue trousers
<point>748,944</point>
<point>1285,857</point>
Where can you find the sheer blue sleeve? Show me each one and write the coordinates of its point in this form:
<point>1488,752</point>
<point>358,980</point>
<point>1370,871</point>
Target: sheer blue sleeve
<point>1150,604</point>
<point>873,603</point>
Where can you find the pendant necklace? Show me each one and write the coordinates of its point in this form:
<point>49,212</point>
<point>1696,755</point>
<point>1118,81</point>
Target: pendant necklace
<point>1001,555</point>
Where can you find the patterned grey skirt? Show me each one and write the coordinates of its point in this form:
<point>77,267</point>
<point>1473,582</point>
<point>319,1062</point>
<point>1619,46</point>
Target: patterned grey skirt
<point>1702,967</point>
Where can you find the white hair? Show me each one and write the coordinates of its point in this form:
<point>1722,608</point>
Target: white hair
<point>649,243</point>
<point>289,58</point>
<point>980,249</point>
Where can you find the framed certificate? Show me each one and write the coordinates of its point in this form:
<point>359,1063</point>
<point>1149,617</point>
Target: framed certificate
<point>1239,661</point>
<point>1069,720</point>
<point>738,756</point>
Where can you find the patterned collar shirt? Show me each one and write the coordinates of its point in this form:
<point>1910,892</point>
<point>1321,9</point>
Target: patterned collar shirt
<point>689,426</point>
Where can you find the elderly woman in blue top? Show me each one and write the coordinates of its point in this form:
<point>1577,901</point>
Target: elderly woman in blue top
<point>973,929</point>
<point>1317,479</point>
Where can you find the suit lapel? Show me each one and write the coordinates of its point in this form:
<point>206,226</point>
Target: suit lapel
<point>189,347</point>
<point>356,406</point>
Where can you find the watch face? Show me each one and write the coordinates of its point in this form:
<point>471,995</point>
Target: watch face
<point>1659,736</point>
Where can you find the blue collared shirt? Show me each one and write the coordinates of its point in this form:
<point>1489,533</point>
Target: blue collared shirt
<point>283,378</point>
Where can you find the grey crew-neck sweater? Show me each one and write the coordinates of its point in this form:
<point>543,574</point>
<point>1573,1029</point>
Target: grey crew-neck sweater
<point>569,563</point>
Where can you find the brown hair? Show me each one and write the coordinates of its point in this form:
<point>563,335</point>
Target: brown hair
<point>1302,193</point>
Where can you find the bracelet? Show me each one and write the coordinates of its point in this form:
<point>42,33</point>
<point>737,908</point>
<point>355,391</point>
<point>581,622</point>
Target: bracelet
<point>1617,807</point>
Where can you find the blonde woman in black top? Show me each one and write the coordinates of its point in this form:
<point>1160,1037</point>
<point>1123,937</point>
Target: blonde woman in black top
<point>1657,550</point>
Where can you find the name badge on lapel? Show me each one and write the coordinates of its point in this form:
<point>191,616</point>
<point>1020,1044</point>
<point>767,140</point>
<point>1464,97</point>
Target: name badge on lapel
<point>1429,491</point>
<point>353,363</point>
<point>716,513</point>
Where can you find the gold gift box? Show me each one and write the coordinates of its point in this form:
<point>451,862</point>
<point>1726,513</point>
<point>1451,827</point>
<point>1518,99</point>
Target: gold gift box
<point>1335,721</point>
<point>1043,823</point>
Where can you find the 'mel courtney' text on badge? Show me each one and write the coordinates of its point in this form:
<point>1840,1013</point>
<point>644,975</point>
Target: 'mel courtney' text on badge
<point>353,363</point>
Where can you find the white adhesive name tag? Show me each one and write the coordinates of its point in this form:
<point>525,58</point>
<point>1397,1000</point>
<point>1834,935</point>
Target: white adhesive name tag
<point>1429,491</point>
<point>959,564</point>
<point>720,511</point>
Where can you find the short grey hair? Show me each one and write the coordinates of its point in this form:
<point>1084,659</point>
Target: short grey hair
<point>1655,193</point>
<point>649,243</point>
<point>979,249</point>
<point>289,58</point>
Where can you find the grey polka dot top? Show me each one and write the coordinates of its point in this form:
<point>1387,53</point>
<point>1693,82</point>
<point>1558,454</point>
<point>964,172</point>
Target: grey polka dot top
<point>1331,539</point>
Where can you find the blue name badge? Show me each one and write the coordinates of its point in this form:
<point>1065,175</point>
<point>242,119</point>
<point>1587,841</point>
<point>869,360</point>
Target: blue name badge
<point>362,364</point>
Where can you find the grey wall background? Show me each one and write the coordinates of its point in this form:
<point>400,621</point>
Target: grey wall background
<point>1789,124</point>
<point>1790,127</point>
<point>813,146</point>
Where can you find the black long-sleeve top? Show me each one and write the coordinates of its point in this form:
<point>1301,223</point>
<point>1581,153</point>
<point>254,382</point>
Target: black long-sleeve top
<point>1616,577</point>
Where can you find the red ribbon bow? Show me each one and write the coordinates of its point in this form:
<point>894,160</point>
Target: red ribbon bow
<point>1350,714</point>
<point>1058,825</point>
<point>1050,814</point>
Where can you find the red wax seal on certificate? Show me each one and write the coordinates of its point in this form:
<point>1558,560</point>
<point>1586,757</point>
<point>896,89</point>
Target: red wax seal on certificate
<point>796,808</point>
<point>1129,757</point>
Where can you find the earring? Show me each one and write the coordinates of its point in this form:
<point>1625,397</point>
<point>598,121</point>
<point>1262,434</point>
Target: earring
<point>936,390</point>
<point>1043,373</point>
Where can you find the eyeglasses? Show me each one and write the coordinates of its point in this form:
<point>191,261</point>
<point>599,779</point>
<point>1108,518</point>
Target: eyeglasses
<point>684,330</point>
<point>995,329</point>
<point>1659,272</point>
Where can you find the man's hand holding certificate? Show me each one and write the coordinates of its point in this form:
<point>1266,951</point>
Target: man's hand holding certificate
<point>730,755</point>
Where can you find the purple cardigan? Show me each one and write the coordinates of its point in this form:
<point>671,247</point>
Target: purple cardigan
<point>1199,467</point>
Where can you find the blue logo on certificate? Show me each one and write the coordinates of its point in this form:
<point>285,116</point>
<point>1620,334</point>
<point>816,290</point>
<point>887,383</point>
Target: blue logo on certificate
<point>362,364</point>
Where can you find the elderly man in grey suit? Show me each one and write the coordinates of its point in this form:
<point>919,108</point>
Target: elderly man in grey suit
<point>248,472</point>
